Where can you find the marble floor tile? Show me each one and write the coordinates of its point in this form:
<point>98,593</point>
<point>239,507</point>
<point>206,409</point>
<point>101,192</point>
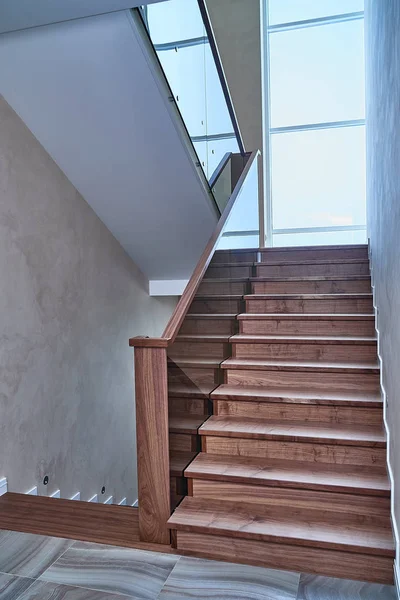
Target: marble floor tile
<point>197,578</point>
<point>317,587</point>
<point>135,573</point>
<point>45,590</point>
<point>11,587</point>
<point>29,555</point>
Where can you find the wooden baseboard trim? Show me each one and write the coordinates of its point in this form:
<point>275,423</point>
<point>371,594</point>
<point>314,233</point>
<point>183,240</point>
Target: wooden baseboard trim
<point>86,521</point>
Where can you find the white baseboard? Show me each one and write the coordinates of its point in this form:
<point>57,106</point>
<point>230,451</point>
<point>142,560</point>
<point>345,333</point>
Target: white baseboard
<point>397,580</point>
<point>122,502</point>
<point>76,496</point>
<point>136,503</point>
<point>94,498</point>
<point>32,492</point>
<point>109,500</point>
<point>3,486</point>
<point>56,494</point>
<point>385,421</point>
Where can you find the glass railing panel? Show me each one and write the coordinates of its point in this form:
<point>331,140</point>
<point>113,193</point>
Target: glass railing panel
<point>186,75</point>
<point>242,228</point>
<point>221,183</point>
<point>216,149</point>
<point>178,34</point>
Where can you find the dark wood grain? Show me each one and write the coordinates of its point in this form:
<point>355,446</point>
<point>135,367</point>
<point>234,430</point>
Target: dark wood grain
<point>152,443</point>
<point>332,563</point>
<point>301,527</point>
<point>349,479</point>
<point>87,521</point>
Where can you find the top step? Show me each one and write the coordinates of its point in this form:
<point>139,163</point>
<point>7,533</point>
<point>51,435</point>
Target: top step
<point>314,253</point>
<point>297,253</point>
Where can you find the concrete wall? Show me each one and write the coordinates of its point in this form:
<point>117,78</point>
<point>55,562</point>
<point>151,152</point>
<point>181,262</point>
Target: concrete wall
<point>70,299</point>
<point>382,22</point>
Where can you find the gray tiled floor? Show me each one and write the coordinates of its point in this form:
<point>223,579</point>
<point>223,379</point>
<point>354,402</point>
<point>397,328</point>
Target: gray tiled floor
<point>36,567</point>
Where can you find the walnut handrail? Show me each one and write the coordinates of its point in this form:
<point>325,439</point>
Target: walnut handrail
<point>151,388</point>
<point>173,325</point>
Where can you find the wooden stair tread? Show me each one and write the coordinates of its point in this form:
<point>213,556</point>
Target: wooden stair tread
<point>301,396</point>
<point>200,362</point>
<point>341,296</point>
<point>299,365</point>
<point>333,433</point>
<point>186,423</point>
<point>317,261</point>
<point>301,526</point>
<point>206,316</point>
<point>302,339</point>
<point>202,391</point>
<point>178,461</point>
<point>274,278</point>
<point>292,474</point>
<point>231,264</point>
<point>218,297</point>
<point>313,248</point>
<point>202,337</point>
<point>225,279</point>
<point>306,316</point>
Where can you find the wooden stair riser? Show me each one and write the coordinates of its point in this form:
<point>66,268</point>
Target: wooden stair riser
<point>364,509</point>
<point>314,306</point>
<point>284,474</point>
<point>332,563</point>
<point>189,406</point>
<point>216,305</point>
<point>302,451</point>
<point>234,271</point>
<point>184,442</point>
<point>223,287</point>
<point>234,256</point>
<point>193,377</point>
<point>218,350</point>
<point>310,270</point>
<point>178,488</point>
<point>334,352</point>
<point>305,413</point>
<point>306,254</point>
<point>337,286</point>
<point>209,326</point>
<point>312,380</point>
<point>299,326</point>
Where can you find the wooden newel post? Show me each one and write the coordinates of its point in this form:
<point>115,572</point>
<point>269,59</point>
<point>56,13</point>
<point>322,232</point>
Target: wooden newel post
<point>152,443</point>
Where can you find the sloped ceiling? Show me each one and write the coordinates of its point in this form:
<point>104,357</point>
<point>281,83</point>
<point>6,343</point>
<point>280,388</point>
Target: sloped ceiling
<point>21,14</point>
<point>88,92</point>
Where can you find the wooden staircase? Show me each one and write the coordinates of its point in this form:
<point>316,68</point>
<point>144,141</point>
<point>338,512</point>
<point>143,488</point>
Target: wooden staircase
<point>278,451</point>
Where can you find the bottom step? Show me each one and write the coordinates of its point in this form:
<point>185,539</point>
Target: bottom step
<point>331,563</point>
<point>314,541</point>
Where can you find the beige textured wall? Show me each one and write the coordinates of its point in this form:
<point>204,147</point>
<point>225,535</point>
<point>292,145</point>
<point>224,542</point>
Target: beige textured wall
<point>382,21</point>
<point>70,299</point>
<point>236,26</point>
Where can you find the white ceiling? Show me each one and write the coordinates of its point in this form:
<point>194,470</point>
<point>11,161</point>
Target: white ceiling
<point>21,14</point>
<point>88,92</point>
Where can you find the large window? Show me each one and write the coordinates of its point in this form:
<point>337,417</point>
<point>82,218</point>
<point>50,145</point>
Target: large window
<point>315,117</point>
